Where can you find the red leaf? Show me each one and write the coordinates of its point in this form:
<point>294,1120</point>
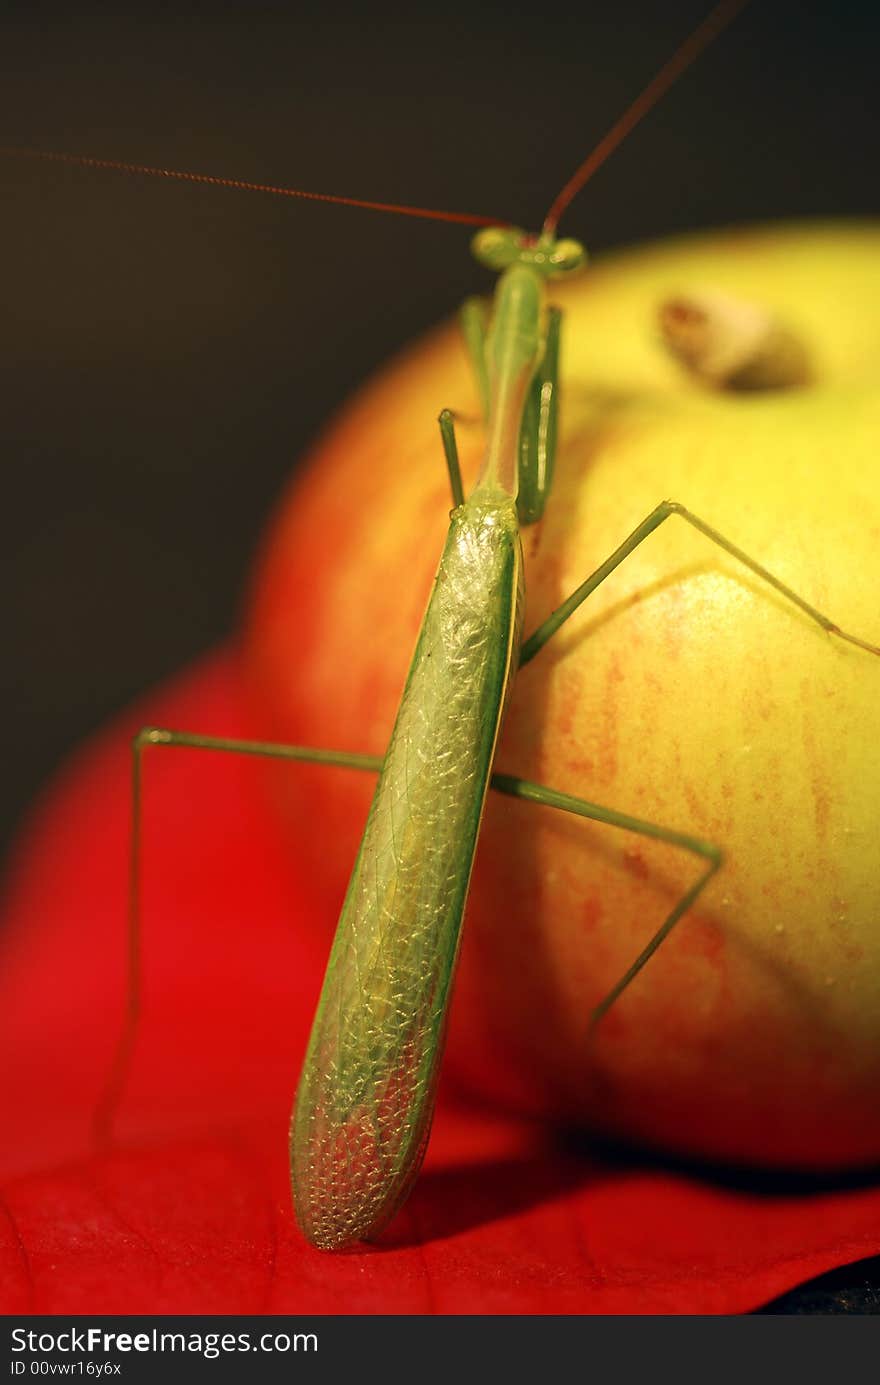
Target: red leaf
<point>189,1210</point>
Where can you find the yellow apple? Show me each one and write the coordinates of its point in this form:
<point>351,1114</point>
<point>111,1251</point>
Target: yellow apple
<point>685,691</point>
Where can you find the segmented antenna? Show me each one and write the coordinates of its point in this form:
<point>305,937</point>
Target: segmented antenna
<point>240,185</point>
<point>717,20</point>
<point>702,36</point>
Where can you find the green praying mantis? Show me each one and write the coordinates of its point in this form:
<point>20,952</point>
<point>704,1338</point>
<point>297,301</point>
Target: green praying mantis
<point>365,1100</point>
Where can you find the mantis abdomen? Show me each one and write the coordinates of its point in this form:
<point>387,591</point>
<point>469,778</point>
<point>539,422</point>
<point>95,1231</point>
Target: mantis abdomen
<point>366,1095</point>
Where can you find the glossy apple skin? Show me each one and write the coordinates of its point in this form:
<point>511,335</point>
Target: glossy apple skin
<point>684,692</point>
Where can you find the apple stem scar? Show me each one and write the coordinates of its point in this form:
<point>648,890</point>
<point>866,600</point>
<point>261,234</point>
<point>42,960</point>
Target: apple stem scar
<point>366,1095</point>
<point>733,345</point>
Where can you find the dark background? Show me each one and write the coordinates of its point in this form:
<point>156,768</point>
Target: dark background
<point>168,351</point>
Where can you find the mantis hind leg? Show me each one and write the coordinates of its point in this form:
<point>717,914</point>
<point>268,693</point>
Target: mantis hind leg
<point>566,803</point>
<point>149,736</point>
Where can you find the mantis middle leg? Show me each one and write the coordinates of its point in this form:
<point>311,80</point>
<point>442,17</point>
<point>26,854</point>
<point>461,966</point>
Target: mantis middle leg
<point>539,794</point>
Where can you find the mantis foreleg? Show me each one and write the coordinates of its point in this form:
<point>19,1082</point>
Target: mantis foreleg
<point>537,438</point>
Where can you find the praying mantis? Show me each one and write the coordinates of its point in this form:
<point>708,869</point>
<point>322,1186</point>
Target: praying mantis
<point>369,1209</point>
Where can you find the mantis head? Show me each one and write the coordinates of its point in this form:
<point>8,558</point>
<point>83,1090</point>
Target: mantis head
<point>499,247</point>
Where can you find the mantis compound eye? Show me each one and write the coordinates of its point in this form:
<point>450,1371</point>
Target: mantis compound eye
<point>566,256</point>
<point>498,247</point>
